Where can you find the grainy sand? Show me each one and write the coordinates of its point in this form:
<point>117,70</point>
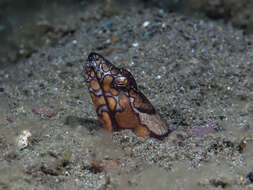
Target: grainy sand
<point>195,72</point>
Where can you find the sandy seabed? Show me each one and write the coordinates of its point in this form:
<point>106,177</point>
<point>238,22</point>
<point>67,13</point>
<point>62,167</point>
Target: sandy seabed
<point>197,73</point>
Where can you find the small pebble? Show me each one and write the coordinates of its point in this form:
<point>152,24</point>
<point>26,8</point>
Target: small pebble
<point>68,64</point>
<point>158,77</point>
<point>108,165</point>
<point>250,176</point>
<point>136,44</point>
<point>202,130</point>
<point>145,24</point>
<point>43,110</point>
<point>24,139</point>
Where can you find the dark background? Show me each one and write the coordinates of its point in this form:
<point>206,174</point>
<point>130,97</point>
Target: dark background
<point>26,25</point>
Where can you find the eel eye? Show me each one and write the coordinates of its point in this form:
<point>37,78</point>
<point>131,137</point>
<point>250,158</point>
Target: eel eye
<point>120,82</point>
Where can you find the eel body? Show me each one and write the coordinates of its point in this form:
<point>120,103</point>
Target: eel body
<point>118,102</point>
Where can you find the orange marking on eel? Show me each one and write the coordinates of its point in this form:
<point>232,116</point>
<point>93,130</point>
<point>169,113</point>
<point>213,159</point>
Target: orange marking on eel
<point>107,82</point>
<point>126,118</point>
<point>111,103</point>
<point>141,131</point>
<point>92,74</point>
<point>97,101</point>
<point>105,68</point>
<point>86,76</point>
<point>114,71</point>
<point>106,85</point>
<point>95,85</point>
<point>106,121</point>
<point>99,74</point>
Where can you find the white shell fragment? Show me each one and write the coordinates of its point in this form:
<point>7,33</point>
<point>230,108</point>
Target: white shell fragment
<point>145,24</point>
<point>135,44</point>
<point>24,139</point>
